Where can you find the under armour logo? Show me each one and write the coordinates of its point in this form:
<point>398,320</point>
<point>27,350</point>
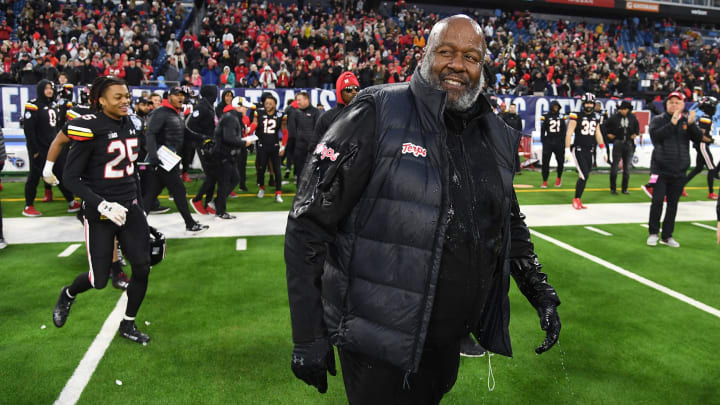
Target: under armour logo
<point>414,149</point>
<point>298,360</point>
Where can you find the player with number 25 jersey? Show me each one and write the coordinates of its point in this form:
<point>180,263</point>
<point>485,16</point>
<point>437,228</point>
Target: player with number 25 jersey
<point>101,170</point>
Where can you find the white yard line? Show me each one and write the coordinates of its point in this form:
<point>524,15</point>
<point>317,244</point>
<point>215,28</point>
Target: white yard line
<point>645,225</point>
<point>712,228</point>
<point>684,298</point>
<point>70,250</point>
<point>81,376</point>
<point>600,231</point>
<point>241,244</point>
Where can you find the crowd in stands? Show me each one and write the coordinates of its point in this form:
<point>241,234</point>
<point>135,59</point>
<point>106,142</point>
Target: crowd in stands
<point>272,45</point>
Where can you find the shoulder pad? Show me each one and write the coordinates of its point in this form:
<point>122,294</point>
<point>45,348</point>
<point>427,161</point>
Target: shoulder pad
<point>79,132</point>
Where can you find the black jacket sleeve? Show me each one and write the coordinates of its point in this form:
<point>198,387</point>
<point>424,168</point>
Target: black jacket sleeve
<point>660,127</point>
<point>524,265</point>
<point>29,123</point>
<point>155,124</point>
<point>328,192</point>
<point>77,160</point>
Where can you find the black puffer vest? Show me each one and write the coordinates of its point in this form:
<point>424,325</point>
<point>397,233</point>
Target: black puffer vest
<point>380,277</point>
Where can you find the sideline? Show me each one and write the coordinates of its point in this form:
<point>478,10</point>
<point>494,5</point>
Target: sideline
<point>642,280</point>
<point>81,376</point>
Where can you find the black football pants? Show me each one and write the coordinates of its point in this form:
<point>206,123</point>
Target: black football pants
<point>371,381</point>
<point>670,187</point>
<point>100,236</point>
<point>212,174</point>
<point>241,163</point>
<point>226,182</point>
<point>547,151</point>
<point>624,151</point>
<point>265,158</point>
<point>583,156</point>
<point>173,182</point>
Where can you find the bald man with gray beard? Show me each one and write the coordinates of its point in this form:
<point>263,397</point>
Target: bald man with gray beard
<point>405,231</point>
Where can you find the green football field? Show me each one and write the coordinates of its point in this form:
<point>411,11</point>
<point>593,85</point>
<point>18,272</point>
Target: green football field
<point>220,329</point>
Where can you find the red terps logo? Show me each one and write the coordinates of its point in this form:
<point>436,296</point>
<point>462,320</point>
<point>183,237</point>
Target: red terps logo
<point>414,149</point>
<point>326,152</point>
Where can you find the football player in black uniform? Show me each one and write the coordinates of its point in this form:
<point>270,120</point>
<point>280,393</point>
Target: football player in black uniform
<point>622,129</point>
<point>202,120</point>
<point>101,170</point>
<point>708,106</point>
<point>552,135</point>
<point>40,125</point>
<point>269,123</point>
<point>585,125</point>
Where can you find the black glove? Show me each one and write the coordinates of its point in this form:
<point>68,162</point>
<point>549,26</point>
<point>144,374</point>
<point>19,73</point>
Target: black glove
<point>311,361</point>
<point>533,284</point>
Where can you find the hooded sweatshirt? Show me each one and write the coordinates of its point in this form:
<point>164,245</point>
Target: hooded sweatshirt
<point>40,121</point>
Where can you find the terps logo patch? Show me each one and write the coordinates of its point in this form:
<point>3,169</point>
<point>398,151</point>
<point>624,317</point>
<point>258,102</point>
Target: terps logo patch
<point>414,149</point>
<point>326,152</point>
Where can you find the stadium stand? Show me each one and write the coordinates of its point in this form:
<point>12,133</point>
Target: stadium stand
<point>272,44</point>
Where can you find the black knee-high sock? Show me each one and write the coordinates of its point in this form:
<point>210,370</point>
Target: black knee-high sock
<point>80,285</point>
<point>136,290</point>
<point>579,188</point>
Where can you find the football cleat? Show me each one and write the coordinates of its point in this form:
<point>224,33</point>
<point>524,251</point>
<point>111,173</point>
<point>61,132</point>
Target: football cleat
<point>684,193</point>
<point>278,198</point>
<point>544,184</point>
<point>74,206</point>
<point>648,190</point>
<point>261,193</point>
<point>197,228</point>
<point>198,207</point>
<point>62,308</point>
<point>159,210</point>
<point>713,196</point>
<point>211,208</point>
<point>30,211</point>
<point>121,282</point>
<point>185,177</point>
<point>233,194</point>
<point>577,204</point>
<point>225,216</point>
<point>48,195</point>
<point>128,330</point>
<point>558,182</point>
<point>470,348</point>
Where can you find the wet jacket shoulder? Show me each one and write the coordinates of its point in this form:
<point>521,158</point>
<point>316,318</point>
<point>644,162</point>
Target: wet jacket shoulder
<point>671,144</point>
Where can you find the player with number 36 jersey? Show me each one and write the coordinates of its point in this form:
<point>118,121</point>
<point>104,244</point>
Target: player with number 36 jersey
<point>101,170</point>
<point>585,126</point>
